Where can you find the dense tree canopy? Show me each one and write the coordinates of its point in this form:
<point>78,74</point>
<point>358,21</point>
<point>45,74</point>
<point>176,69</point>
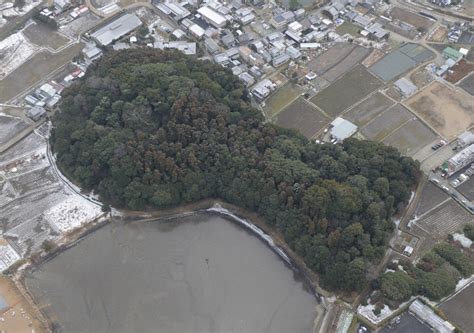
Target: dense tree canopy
<point>147,128</point>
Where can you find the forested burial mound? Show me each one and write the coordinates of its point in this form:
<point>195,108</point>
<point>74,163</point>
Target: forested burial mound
<point>150,129</point>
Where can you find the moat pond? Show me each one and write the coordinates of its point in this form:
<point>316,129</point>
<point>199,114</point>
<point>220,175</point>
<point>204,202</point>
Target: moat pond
<point>201,273</point>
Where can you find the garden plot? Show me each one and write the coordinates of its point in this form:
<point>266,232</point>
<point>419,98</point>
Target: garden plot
<point>460,308</point>
<point>386,123</point>
<point>410,137</point>
<point>445,219</point>
<point>448,111</point>
<point>9,127</point>
<point>14,50</point>
<point>42,35</point>
<point>346,91</point>
<point>302,116</point>
<point>368,109</point>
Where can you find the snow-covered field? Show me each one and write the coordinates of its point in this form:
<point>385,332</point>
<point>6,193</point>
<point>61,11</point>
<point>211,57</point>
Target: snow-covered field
<point>35,203</point>
<point>71,213</point>
<point>14,50</point>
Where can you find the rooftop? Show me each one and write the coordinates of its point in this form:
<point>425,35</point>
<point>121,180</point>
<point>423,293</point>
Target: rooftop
<point>116,29</point>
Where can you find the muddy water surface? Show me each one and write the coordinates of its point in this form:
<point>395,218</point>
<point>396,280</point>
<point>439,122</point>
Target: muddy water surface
<point>198,274</point>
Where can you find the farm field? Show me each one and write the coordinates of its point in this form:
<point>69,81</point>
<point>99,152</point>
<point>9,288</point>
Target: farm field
<point>9,126</point>
<point>460,308</point>
<point>302,116</point>
<point>387,122</point>
<point>396,63</point>
<point>325,61</point>
<point>42,35</point>
<point>439,35</point>
<point>448,111</point>
<point>468,84</point>
<point>444,220</point>
<point>285,95</point>
<point>355,57</point>
<point>431,196</point>
<point>346,91</point>
<point>368,109</point>
<point>411,137</point>
<point>34,70</point>
<point>459,71</point>
<point>467,189</point>
<point>415,20</point>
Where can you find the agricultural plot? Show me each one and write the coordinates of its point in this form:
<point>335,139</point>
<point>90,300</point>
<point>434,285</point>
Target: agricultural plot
<point>302,116</point>
<point>460,308</point>
<point>346,91</point>
<point>386,123</point>
<point>368,109</point>
<point>348,28</point>
<point>34,204</point>
<point>459,71</point>
<point>36,69</point>
<point>411,137</point>
<point>398,62</point>
<point>431,196</point>
<point>468,84</point>
<point>444,220</point>
<point>80,25</point>
<point>467,189</point>
<point>284,96</point>
<point>42,35</point>
<point>439,35</point>
<point>324,62</point>
<point>448,111</point>
<point>14,50</point>
<point>417,21</point>
<point>355,57</point>
<point>9,126</point>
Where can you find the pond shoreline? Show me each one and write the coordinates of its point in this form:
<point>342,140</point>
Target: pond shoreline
<point>248,220</point>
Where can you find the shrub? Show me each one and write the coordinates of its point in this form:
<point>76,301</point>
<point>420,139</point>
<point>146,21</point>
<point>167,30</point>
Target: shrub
<point>459,260</point>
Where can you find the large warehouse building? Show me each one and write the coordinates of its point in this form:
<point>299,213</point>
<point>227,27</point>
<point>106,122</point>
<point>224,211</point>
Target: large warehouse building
<point>116,29</point>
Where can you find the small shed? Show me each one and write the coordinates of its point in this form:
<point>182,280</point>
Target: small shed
<point>342,129</point>
<point>406,87</point>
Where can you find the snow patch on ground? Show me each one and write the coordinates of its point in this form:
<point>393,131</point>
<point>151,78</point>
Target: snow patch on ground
<point>465,242</point>
<point>14,50</point>
<point>368,313</point>
<point>71,213</point>
<point>7,256</point>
